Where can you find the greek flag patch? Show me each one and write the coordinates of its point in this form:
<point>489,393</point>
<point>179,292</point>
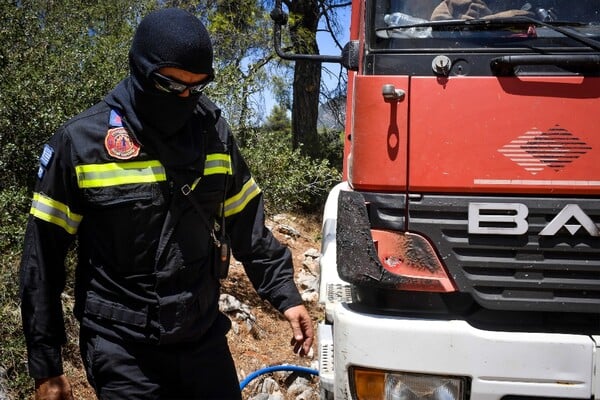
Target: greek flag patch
<point>45,160</point>
<point>46,157</point>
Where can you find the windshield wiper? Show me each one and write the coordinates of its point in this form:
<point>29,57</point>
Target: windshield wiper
<point>425,24</point>
<point>557,26</point>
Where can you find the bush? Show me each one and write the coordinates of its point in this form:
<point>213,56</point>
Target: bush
<point>14,204</point>
<point>13,372</point>
<point>331,144</point>
<point>290,181</point>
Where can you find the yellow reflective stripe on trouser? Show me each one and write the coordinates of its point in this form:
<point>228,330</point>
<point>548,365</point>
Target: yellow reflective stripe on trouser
<point>112,174</point>
<point>235,204</point>
<point>55,212</point>
<point>218,163</point>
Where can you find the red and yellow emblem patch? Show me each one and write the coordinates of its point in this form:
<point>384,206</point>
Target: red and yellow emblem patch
<point>120,144</point>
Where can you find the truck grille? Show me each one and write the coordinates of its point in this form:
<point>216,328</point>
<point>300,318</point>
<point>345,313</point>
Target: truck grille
<point>560,272</point>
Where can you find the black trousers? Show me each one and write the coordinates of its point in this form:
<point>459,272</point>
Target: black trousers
<point>134,371</point>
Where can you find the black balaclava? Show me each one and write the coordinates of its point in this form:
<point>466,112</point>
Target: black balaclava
<point>167,37</point>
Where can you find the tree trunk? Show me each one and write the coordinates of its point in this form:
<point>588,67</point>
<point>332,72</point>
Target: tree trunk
<point>305,107</point>
<point>307,76</point>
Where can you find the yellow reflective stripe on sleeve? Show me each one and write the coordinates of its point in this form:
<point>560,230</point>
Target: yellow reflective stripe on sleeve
<point>55,212</point>
<point>113,174</point>
<point>237,203</point>
<point>218,163</point>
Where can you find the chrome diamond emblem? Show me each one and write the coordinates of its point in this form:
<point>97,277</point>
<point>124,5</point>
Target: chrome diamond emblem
<point>536,150</point>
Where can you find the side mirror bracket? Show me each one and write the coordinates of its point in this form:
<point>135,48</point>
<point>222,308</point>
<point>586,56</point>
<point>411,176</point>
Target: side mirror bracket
<point>280,18</point>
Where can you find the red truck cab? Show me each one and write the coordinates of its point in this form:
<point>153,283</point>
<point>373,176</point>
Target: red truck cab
<point>461,254</point>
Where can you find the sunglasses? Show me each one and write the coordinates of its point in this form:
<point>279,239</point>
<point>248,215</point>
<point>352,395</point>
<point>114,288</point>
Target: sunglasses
<point>173,86</point>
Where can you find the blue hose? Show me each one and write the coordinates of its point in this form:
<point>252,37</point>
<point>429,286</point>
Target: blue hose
<point>295,368</point>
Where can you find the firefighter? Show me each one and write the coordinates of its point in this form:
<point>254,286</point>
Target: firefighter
<point>151,183</point>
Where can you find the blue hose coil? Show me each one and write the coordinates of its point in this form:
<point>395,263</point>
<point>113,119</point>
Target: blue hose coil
<point>266,370</point>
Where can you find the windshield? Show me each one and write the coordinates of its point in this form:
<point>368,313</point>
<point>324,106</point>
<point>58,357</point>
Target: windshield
<point>460,24</point>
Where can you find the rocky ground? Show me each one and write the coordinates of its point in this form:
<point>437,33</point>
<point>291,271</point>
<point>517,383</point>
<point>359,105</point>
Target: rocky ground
<point>260,336</point>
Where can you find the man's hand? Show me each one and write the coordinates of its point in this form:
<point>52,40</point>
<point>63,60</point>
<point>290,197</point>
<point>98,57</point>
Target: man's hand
<point>302,329</point>
<point>55,388</point>
<point>460,9</point>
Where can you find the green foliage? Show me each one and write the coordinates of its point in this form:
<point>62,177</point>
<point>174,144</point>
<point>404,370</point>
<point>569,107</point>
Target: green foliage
<point>290,181</point>
<point>278,120</point>
<point>241,31</point>
<point>331,147</point>
<point>12,352</point>
<point>59,58</point>
<point>13,207</point>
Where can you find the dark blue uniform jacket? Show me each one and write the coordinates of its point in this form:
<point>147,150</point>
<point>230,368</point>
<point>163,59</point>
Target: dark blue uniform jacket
<point>146,255</point>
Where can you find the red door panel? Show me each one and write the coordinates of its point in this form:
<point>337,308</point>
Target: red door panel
<point>517,135</point>
<point>379,135</point>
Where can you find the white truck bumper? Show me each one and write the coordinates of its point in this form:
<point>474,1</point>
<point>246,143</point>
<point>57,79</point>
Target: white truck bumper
<point>497,363</point>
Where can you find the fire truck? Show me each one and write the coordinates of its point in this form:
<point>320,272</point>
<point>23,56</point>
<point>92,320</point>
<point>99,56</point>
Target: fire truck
<point>461,253</point>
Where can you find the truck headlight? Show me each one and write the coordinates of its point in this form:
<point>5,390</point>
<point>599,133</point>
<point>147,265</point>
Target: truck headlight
<point>372,384</point>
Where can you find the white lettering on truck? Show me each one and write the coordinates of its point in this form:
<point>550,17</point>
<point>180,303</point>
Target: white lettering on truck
<point>511,219</point>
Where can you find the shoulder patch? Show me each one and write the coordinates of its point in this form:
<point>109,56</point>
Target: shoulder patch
<point>119,144</point>
<point>41,172</point>
<point>47,155</point>
<point>115,119</point>
<point>45,160</point>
